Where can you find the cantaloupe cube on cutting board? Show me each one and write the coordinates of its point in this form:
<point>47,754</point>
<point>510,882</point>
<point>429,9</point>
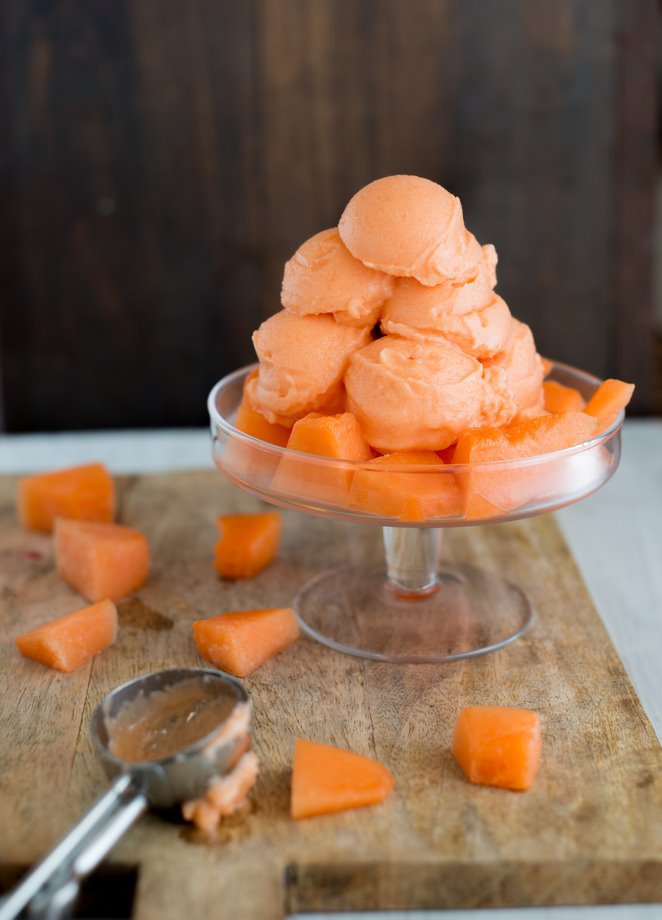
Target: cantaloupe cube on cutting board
<point>327,779</point>
<point>498,745</point>
<point>241,641</point>
<point>608,400</point>
<point>73,639</point>
<point>100,560</point>
<point>85,493</point>
<point>248,543</point>
<point>338,437</point>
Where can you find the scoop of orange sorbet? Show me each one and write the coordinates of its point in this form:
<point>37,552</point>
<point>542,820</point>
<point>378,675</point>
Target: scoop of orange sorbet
<point>420,395</point>
<point>302,362</point>
<point>410,227</point>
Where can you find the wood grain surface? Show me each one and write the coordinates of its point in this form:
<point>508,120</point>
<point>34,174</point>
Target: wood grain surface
<point>588,832</point>
<point>161,161</point>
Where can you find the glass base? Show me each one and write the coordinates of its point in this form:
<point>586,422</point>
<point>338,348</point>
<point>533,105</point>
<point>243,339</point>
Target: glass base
<point>357,610</point>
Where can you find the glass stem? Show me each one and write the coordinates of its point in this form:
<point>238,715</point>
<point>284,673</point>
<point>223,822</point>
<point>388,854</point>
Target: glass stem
<point>412,559</point>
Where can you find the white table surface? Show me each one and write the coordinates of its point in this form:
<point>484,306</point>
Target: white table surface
<point>616,537</point>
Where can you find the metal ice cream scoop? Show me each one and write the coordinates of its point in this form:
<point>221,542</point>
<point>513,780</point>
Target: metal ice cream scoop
<point>172,775</point>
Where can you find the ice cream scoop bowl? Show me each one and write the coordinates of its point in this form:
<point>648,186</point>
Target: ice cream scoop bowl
<point>415,608</point>
<point>51,888</point>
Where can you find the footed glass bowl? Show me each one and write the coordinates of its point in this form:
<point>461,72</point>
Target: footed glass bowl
<point>414,608</point>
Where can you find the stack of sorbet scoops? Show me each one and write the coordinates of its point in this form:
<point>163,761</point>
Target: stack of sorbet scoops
<point>394,351</point>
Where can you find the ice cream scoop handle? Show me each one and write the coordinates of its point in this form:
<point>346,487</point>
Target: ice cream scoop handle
<point>50,890</point>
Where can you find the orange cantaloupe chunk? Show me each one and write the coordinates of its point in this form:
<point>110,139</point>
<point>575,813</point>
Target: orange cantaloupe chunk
<point>498,745</point>
<point>447,453</point>
<point>608,400</point>
<point>336,436</point>
<point>255,464</point>
<point>86,493</point>
<point>248,543</point>
<point>410,496</point>
<point>491,492</point>
<point>335,403</point>
<point>241,641</point>
<point>248,462</point>
<point>327,779</point>
<point>252,422</point>
<point>100,560</point>
<point>526,415</point>
<point>69,641</point>
<point>547,366</point>
<point>559,398</point>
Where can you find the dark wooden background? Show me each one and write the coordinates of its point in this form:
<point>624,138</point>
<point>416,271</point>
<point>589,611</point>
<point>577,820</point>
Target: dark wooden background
<point>160,159</point>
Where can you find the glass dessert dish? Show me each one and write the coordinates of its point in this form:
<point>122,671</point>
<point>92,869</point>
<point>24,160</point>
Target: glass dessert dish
<point>415,608</point>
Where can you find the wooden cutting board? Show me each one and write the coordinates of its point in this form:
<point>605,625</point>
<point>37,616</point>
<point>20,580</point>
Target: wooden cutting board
<point>590,831</point>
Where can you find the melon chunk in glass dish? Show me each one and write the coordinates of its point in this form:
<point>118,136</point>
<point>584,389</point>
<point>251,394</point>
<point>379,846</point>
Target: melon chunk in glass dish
<point>492,490</point>
<point>253,423</point>
<point>610,399</point>
<point>562,399</point>
<point>392,486</point>
<point>334,436</point>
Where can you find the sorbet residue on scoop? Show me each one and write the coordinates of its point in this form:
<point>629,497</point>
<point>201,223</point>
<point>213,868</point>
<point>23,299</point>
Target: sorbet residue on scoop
<point>224,796</point>
<point>165,722</point>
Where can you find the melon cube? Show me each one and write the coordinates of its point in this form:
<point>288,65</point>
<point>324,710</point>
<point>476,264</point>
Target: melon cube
<point>608,400</point>
<point>69,641</point>
<point>85,493</point>
<point>100,560</point>
<point>489,492</point>
<point>241,641</point>
<point>252,422</point>
<point>248,543</point>
<point>559,398</point>
<point>327,779</point>
<point>336,436</point>
<point>498,745</point>
<point>378,487</point>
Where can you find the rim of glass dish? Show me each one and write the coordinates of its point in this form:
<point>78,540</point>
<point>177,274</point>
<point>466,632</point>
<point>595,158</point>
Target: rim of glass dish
<point>315,459</point>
